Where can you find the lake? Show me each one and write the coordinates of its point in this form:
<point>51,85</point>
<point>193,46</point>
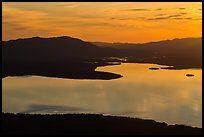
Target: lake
<point>162,95</point>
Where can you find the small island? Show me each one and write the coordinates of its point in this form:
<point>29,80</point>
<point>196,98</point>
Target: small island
<point>153,68</point>
<point>189,75</point>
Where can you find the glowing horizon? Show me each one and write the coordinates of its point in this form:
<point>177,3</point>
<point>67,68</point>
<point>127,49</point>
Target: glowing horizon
<point>129,22</point>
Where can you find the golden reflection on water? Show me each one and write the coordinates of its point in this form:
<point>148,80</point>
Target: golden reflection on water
<point>162,95</point>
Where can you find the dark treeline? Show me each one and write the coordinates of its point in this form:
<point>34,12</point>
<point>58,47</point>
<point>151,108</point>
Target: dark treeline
<point>87,124</point>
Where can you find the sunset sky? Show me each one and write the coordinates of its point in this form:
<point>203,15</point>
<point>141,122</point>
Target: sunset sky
<point>132,22</point>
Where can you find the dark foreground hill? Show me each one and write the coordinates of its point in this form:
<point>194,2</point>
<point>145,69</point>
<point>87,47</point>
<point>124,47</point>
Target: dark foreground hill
<point>87,124</point>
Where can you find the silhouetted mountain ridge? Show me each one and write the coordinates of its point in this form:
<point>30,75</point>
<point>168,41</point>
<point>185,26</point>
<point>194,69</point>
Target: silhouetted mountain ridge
<point>181,53</point>
<point>59,55</point>
<point>38,49</point>
<point>51,39</point>
<point>120,45</point>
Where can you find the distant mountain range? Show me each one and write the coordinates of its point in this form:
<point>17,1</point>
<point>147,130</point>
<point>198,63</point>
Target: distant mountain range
<point>118,45</point>
<point>66,54</point>
<point>181,53</point>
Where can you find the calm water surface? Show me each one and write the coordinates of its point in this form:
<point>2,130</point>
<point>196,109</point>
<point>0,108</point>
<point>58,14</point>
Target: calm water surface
<point>163,95</point>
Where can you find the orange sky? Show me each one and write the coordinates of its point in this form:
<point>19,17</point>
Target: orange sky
<point>132,22</point>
